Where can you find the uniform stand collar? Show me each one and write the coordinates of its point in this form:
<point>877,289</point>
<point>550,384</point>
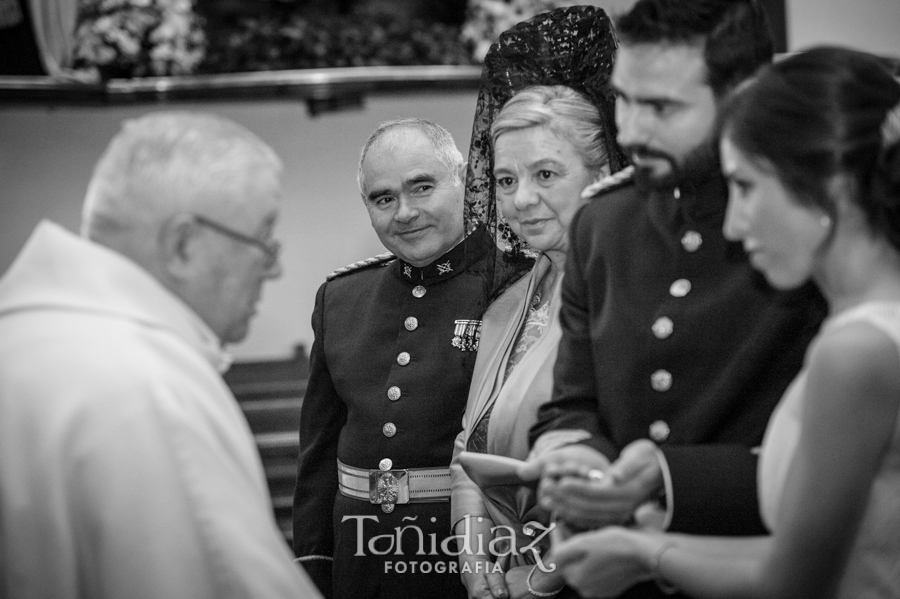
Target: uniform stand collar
<point>451,263</point>
<point>698,203</point>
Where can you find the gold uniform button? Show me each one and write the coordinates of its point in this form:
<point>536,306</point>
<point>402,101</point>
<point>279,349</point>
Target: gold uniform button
<point>403,358</point>
<point>663,327</point>
<point>389,429</point>
<point>691,241</point>
<point>419,291</point>
<point>394,393</point>
<point>680,288</point>
<point>659,431</point>
<point>411,323</point>
<point>661,380</point>
<point>385,464</point>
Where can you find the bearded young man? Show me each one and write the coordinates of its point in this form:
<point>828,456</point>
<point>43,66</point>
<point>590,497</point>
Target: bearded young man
<point>674,353</point>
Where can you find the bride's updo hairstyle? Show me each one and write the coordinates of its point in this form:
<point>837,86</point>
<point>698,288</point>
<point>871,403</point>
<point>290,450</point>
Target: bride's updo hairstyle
<point>820,116</point>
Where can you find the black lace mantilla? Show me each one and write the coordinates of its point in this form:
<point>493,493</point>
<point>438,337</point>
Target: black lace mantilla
<point>572,46</point>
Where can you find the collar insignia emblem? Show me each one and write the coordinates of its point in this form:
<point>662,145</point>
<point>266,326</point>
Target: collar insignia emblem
<point>407,271</point>
<point>444,268</point>
<point>466,335</point>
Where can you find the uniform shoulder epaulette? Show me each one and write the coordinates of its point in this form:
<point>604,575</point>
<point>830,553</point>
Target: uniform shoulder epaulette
<point>379,260</point>
<point>609,183</point>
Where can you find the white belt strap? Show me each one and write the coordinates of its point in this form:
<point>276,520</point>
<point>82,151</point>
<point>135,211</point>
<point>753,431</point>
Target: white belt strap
<point>390,487</point>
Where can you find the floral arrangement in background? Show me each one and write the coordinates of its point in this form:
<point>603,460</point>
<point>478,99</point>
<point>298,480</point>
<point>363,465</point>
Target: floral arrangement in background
<point>142,38</point>
<point>138,38</point>
<point>487,19</point>
<point>296,41</point>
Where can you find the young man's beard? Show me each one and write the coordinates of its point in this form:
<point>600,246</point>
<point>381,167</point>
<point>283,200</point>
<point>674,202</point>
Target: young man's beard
<point>697,167</point>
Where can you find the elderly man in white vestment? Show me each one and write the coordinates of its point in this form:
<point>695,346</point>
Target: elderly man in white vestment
<point>126,466</point>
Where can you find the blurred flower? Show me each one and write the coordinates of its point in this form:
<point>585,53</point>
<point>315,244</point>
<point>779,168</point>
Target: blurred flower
<point>487,19</point>
<point>295,41</point>
<point>137,38</point>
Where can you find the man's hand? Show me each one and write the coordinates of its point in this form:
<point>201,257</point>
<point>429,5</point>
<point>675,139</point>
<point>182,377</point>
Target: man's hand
<point>605,563</point>
<point>572,456</point>
<point>482,582</point>
<point>582,491</point>
<point>482,579</point>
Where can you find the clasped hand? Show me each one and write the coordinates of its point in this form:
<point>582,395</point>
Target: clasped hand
<point>580,487</point>
<point>584,491</point>
<point>605,562</point>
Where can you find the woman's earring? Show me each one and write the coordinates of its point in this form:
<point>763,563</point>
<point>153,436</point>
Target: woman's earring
<point>825,221</point>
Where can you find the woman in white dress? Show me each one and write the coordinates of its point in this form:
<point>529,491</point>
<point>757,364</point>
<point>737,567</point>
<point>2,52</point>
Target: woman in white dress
<point>811,150</point>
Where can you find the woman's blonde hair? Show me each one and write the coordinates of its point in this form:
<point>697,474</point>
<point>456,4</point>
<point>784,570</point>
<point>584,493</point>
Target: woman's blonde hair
<point>566,112</point>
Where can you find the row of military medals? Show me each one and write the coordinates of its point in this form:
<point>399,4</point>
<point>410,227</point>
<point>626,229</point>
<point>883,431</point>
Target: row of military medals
<point>466,334</point>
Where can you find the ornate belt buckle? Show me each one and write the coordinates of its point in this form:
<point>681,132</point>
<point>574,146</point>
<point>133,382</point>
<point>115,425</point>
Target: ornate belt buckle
<point>388,488</point>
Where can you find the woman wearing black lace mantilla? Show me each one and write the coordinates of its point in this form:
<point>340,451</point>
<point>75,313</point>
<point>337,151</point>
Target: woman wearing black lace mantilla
<point>543,132</point>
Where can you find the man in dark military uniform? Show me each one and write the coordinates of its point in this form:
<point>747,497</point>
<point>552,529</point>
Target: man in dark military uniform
<point>394,348</point>
<point>674,351</point>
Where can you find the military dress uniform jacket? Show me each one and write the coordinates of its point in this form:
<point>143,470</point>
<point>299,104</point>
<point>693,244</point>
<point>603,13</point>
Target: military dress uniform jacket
<point>669,334</point>
<point>387,386</point>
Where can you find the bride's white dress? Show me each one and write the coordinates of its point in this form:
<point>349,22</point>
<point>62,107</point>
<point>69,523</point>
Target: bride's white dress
<point>873,569</point>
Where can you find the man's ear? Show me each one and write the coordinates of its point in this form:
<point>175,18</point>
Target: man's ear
<point>463,173</point>
<point>178,245</point>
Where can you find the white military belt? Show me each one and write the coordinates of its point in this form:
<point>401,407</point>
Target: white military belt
<point>390,487</point>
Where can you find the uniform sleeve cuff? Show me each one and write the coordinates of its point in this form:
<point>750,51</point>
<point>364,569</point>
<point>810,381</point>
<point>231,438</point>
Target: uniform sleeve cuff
<point>556,439</point>
<point>657,514</point>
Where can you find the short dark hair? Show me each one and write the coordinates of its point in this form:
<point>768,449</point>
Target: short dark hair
<point>819,114</point>
<point>735,34</point>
